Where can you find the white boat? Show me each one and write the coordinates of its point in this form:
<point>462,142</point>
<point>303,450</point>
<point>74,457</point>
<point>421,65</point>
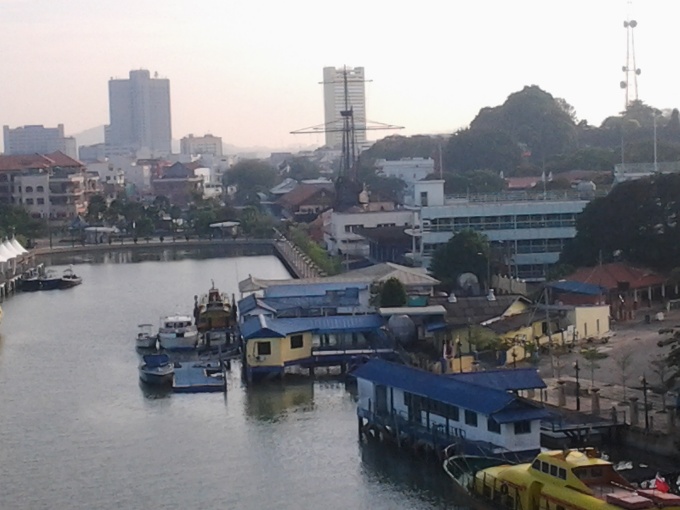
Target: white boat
<point>156,369</point>
<point>145,337</point>
<point>177,332</point>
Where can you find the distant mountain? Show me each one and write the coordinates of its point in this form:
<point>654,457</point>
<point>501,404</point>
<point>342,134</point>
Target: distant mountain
<point>89,136</point>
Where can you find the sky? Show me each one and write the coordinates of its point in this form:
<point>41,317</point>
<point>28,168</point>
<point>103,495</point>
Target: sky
<point>249,70</point>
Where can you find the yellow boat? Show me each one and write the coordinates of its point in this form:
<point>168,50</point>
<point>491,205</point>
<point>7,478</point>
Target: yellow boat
<point>213,311</point>
<point>555,480</point>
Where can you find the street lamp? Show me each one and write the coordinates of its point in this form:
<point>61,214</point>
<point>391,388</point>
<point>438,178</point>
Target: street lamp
<point>459,346</point>
<point>514,357</point>
<point>487,258</point>
<point>577,369</point>
<point>643,380</point>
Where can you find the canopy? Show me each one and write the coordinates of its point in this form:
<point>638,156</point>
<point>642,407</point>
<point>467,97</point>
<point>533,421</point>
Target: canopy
<point>17,246</point>
<point>6,253</point>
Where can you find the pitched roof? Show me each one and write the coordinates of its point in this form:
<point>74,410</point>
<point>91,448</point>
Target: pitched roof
<point>477,309</point>
<point>409,276</point>
<point>262,327</point>
<point>512,323</point>
<point>577,287</point>
<point>304,192</point>
<point>390,235</point>
<point>450,390</point>
<point>18,162</point>
<point>303,303</point>
<point>504,379</point>
<point>610,275</point>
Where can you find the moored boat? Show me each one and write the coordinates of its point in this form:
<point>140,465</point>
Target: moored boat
<point>146,339</point>
<point>213,311</point>
<point>177,332</point>
<point>573,479</point>
<point>69,279</point>
<point>156,369</point>
<point>35,281</point>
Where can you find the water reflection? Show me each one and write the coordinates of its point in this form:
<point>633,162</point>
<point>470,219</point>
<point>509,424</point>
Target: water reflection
<point>273,402</point>
<point>154,391</point>
<point>396,468</point>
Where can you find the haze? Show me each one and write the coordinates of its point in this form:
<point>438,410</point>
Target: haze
<point>248,71</point>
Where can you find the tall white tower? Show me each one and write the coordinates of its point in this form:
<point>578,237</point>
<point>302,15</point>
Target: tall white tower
<point>336,102</point>
<point>139,111</point>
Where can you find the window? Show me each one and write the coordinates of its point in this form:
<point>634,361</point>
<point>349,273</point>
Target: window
<point>29,189</point>
<point>40,201</point>
<point>493,426</point>
<point>522,427</point>
<point>562,473</point>
<point>264,348</point>
<point>296,342</point>
<point>470,418</point>
<point>40,189</point>
<point>423,198</point>
<point>536,465</point>
<point>553,470</point>
<point>545,467</point>
<point>29,201</point>
<point>452,413</point>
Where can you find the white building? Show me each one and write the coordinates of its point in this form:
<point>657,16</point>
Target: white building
<point>341,228</point>
<point>528,230</point>
<point>334,102</point>
<point>199,145</point>
<point>139,110</point>
<point>409,170</point>
<point>37,139</point>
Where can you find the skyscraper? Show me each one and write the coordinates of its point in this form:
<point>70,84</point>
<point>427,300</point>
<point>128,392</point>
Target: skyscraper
<point>334,102</point>
<point>139,110</point>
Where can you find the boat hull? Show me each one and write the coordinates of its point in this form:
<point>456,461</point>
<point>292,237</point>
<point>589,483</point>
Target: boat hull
<point>156,377</point>
<point>35,284</point>
<point>67,283</point>
<point>173,342</point>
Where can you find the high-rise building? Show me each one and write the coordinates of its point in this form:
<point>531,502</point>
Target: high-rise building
<point>206,144</point>
<point>139,110</point>
<point>38,140</point>
<point>335,101</point>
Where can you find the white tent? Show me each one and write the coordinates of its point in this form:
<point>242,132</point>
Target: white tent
<point>6,252</point>
<point>10,249</point>
<point>17,246</point>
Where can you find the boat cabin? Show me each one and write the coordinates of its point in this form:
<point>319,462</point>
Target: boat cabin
<point>176,322</point>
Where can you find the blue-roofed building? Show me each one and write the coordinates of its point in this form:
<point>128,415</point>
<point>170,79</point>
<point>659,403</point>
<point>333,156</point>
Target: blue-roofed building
<point>271,346</point>
<point>479,417</point>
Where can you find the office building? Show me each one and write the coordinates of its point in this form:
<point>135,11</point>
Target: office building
<point>336,102</point>
<point>200,145</point>
<point>139,109</point>
<point>38,139</point>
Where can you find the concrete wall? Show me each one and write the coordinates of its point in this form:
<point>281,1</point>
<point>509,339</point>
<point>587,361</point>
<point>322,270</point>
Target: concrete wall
<point>281,351</point>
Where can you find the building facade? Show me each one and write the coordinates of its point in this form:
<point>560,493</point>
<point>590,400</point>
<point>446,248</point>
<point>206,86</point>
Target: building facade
<point>336,102</point>
<point>139,109</point>
<point>38,139</point>
<point>206,144</point>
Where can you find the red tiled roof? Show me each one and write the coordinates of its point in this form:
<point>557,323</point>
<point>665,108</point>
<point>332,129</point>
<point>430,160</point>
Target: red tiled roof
<point>609,276</point>
<point>18,162</point>
<point>298,195</point>
<point>522,182</point>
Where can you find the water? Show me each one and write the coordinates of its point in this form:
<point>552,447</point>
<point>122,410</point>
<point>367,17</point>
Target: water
<point>78,432</point>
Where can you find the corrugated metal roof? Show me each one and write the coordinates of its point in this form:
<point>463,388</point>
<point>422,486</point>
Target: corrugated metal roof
<point>442,389</point>
<point>350,298</point>
<point>505,379</point>
<point>525,413</point>
<point>578,287</point>
<point>262,327</point>
<point>310,289</point>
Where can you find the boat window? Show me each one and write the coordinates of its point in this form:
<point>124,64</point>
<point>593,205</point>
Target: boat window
<point>264,348</point>
<point>545,467</point>
<point>553,470</point>
<point>562,473</point>
<point>596,472</point>
<point>470,418</point>
<point>536,465</point>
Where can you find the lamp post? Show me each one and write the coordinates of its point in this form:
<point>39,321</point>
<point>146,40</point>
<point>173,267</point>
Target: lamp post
<point>459,345</point>
<point>577,369</point>
<point>656,165</point>
<point>487,259</point>
<point>643,380</point>
<point>514,357</point>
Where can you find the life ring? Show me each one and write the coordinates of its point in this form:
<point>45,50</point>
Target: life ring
<point>504,489</point>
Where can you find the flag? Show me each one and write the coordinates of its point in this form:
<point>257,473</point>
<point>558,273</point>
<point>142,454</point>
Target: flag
<point>660,484</point>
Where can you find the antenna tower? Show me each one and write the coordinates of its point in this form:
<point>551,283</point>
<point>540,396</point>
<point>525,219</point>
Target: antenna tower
<point>630,83</point>
<point>347,186</point>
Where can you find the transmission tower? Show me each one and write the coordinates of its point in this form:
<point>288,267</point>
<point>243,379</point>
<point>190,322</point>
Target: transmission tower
<point>347,185</point>
<point>631,72</point>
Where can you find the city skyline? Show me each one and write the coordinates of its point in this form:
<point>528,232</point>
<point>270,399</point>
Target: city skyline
<point>250,73</point>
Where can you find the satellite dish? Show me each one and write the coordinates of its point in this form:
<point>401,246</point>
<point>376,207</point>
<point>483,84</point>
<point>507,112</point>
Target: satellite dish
<point>466,280</point>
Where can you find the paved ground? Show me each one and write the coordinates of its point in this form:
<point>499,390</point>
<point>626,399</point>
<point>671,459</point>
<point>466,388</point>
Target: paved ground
<point>634,339</point>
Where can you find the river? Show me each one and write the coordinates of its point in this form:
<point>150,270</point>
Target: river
<point>78,432</point>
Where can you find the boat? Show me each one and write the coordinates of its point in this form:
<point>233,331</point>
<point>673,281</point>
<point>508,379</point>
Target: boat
<point>213,311</point>
<point>35,281</point>
<point>562,479</point>
<point>177,332</point>
<point>156,369</point>
<point>69,279</point>
<point>145,337</point>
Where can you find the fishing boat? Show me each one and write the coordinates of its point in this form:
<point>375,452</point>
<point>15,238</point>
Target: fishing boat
<point>560,480</point>
<point>146,339</point>
<point>213,311</point>
<point>177,332</point>
<point>35,281</point>
<point>156,369</point>
<point>69,279</point>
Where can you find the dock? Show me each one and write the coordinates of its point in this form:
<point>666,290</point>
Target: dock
<point>199,377</point>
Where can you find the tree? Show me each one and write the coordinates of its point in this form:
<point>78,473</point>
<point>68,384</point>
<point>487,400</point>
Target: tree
<point>381,188</point>
<point>397,147</point>
<point>481,149</point>
<point>466,251</point>
<point>624,360</point>
<point>637,219</point>
<point>665,375</point>
<point>15,220</point>
<point>251,176</point>
<point>392,293</point>
<point>96,208</point>
<point>476,181</point>
<point>592,355</point>
<point>301,169</point>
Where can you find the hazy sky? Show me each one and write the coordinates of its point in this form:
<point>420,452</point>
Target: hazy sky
<point>248,70</point>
